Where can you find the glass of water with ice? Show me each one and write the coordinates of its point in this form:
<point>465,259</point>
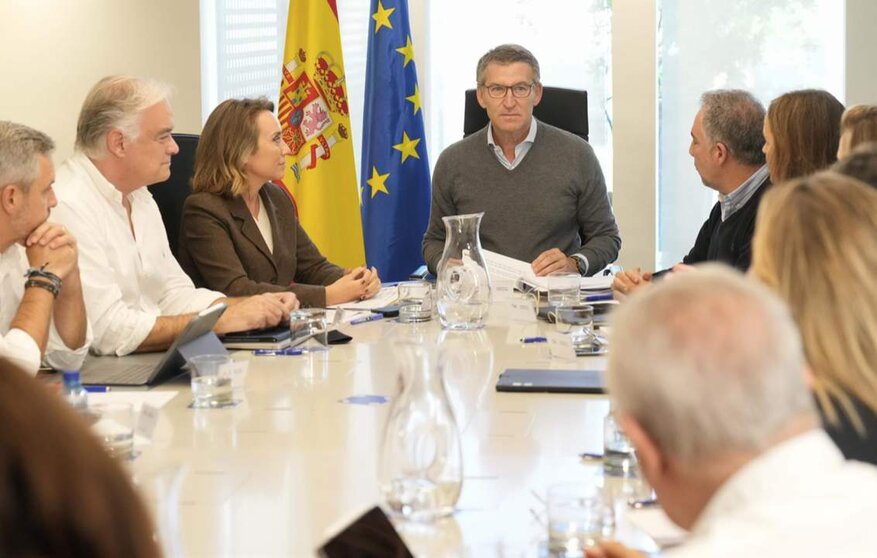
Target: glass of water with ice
<point>211,381</point>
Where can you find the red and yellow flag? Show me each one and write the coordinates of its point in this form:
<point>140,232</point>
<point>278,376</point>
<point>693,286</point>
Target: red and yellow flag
<point>313,112</point>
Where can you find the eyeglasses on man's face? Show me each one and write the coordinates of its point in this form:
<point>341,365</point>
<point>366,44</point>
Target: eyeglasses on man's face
<point>519,90</point>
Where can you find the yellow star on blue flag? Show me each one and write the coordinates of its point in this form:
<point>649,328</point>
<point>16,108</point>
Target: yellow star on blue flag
<point>382,17</point>
<point>395,164</point>
<point>378,182</point>
<point>408,147</point>
<point>407,51</point>
<point>414,98</point>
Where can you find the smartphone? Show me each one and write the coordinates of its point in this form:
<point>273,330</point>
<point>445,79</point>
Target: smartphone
<point>371,535</point>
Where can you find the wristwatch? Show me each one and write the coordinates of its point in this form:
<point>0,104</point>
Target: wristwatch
<point>581,264</point>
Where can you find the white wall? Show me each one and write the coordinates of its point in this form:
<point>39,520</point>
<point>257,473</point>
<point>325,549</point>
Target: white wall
<point>53,51</point>
<point>861,77</point>
<point>634,134</point>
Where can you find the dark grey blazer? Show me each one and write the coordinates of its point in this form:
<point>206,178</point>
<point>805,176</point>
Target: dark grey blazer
<point>222,249</point>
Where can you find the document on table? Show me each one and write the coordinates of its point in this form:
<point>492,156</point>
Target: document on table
<point>157,399</point>
<point>505,268</point>
<point>385,297</point>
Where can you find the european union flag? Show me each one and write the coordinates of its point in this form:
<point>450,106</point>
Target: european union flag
<point>395,165</point>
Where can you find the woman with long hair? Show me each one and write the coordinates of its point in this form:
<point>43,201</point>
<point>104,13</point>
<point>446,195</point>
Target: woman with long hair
<point>239,231</point>
<point>814,244</point>
<point>801,133</point>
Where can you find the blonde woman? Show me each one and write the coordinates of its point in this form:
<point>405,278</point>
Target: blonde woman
<point>814,244</point>
<point>858,125</point>
<point>239,232</point>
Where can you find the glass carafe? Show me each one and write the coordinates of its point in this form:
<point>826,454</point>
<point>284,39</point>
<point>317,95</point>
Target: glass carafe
<point>462,284</point>
<point>421,463</point>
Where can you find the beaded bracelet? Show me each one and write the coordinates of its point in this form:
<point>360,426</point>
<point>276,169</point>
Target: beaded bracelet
<point>43,285</point>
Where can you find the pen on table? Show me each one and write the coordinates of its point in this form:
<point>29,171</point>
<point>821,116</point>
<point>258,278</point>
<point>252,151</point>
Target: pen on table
<point>598,297</point>
<point>365,319</point>
<point>96,389</point>
<point>289,351</point>
<point>587,456</point>
<point>534,339</point>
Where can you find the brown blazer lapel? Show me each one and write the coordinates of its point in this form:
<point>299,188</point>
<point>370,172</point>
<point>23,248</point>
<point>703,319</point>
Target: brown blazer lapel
<point>247,227</point>
<point>274,202</point>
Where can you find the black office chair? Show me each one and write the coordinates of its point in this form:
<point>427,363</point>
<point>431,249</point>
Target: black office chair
<point>566,109</point>
<point>172,193</point>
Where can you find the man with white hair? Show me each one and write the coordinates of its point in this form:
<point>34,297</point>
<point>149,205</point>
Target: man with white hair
<point>725,430</point>
<point>138,297</point>
<point>41,307</point>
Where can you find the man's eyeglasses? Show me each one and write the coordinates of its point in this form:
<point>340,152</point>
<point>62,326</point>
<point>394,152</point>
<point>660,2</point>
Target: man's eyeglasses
<point>519,90</point>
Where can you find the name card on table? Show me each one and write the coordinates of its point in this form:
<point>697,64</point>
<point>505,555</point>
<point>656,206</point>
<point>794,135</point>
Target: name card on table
<point>238,372</point>
<point>560,346</point>
<point>522,311</point>
<point>147,420</point>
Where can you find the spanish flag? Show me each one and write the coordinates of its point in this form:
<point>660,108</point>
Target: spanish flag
<point>313,112</point>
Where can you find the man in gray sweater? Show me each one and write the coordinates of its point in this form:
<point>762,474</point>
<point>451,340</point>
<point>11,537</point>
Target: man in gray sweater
<point>541,189</point>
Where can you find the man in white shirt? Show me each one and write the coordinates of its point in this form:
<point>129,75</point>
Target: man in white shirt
<point>41,307</point>
<point>138,297</point>
<point>716,404</point>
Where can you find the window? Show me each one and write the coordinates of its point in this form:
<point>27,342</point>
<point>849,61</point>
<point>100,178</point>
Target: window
<point>768,48</point>
<point>241,50</point>
<point>242,43</point>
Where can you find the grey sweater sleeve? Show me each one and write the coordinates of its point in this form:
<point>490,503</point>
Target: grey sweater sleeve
<point>442,204</point>
<point>601,240</point>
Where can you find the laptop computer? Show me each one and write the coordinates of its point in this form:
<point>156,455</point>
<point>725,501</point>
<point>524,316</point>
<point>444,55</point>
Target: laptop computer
<point>153,368</point>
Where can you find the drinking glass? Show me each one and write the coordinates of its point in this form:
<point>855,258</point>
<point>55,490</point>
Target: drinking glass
<point>619,458</point>
<point>309,329</point>
<point>114,425</point>
<point>211,381</point>
<point>563,288</point>
<point>577,321</point>
<point>578,518</point>
<point>415,301</point>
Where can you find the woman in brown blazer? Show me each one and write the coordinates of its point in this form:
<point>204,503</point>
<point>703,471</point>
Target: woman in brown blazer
<point>239,232</point>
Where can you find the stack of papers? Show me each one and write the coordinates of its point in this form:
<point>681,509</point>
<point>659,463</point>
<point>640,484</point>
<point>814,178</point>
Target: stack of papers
<point>504,268</point>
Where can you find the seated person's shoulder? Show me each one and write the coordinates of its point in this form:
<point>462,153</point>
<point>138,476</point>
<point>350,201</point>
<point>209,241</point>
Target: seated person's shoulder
<point>465,145</point>
<point>567,139</point>
<point>277,194</point>
<point>204,200</point>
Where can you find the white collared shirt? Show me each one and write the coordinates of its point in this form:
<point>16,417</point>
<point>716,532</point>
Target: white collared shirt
<point>128,281</point>
<point>520,150</point>
<point>16,345</point>
<point>800,498</point>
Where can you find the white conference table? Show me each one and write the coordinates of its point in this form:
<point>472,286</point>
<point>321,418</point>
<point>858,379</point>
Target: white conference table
<point>275,475</point>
